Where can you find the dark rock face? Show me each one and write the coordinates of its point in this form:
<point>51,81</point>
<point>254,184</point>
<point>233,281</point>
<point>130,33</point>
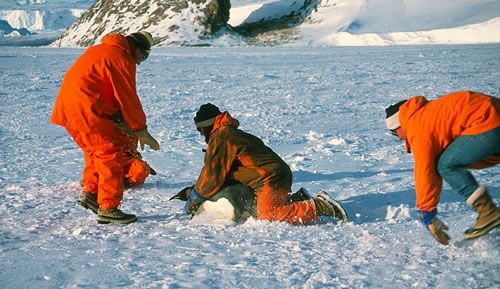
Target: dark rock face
<point>170,21</point>
<point>217,15</point>
<point>6,29</point>
<point>280,30</point>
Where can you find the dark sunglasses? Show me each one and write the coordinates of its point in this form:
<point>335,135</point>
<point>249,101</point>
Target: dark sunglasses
<point>145,54</point>
<point>393,132</point>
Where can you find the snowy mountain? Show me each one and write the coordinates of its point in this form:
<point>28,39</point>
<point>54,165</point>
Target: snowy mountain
<point>42,15</point>
<point>385,22</point>
<point>46,18</point>
<point>372,22</point>
<point>40,20</point>
<point>263,22</point>
<point>170,22</point>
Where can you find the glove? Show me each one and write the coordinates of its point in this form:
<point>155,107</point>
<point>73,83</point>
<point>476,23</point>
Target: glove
<point>193,202</point>
<point>435,226</point>
<point>146,138</point>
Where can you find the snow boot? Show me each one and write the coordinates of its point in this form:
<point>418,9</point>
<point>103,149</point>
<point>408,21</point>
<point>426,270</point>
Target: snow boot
<point>489,214</point>
<point>88,201</point>
<point>326,206</point>
<point>301,195</point>
<point>115,216</point>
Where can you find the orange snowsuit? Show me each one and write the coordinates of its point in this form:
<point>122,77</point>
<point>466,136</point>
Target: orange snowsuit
<point>236,155</point>
<point>98,85</point>
<point>430,126</point>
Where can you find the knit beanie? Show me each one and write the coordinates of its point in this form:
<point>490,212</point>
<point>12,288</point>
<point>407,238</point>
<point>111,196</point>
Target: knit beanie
<point>142,39</point>
<point>392,115</point>
<point>206,115</point>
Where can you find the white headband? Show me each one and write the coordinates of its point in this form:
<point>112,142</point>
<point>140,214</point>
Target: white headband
<point>205,123</point>
<point>392,122</point>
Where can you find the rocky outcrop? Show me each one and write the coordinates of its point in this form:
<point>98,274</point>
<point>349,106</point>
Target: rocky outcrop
<point>278,28</point>
<point>182,22</point>
<point>7,30</point>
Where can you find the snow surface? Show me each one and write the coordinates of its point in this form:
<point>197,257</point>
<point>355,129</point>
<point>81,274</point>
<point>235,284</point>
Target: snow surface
<point>402,22</point>
<point>321,109</point>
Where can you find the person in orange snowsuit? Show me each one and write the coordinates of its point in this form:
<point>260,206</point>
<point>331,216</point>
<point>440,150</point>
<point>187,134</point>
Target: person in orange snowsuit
<point>448,136</point>
<point>235,155</point>
<point>98,105</point>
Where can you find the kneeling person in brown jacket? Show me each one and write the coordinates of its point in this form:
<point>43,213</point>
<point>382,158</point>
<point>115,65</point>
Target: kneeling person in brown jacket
<point>234,155</point>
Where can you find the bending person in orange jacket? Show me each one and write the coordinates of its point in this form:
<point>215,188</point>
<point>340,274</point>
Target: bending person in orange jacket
<point>447,136</point>
<point>99,87</point>
<point>233,154</point>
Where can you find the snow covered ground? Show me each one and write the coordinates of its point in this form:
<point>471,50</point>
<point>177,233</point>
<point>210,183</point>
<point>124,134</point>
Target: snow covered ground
<point>321,109</point>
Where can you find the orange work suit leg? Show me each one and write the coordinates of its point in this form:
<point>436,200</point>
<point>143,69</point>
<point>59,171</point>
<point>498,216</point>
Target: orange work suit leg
<point>272,205</point>
<point>90,177</point>
<point>136,170</point>
<point>108,163</point>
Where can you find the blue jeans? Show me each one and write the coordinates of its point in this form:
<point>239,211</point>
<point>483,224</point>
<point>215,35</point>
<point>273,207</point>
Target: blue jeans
<point>463,151</point>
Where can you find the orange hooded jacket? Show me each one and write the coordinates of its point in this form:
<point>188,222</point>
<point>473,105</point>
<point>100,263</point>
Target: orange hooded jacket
<point>237,155</point>
<point>430,126</point>
<point>100,83</point>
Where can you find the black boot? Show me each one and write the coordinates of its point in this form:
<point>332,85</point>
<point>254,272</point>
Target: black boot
<point>301,195</point>
<point>115,216</point>
<point>88,201</point>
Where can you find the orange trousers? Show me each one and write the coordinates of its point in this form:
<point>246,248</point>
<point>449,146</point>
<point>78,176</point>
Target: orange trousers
<point>273,205</point>
<point>111,161</point>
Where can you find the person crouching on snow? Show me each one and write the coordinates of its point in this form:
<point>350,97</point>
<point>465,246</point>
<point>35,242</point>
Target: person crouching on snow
<point>136,170</point>
<point>447,136</point>
<point>99,87</point>
<point>234,155</point>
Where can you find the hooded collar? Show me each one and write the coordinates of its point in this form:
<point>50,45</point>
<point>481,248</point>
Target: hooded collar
<point>407,110</point>
<point>225,119</point>
<point>118,40</point>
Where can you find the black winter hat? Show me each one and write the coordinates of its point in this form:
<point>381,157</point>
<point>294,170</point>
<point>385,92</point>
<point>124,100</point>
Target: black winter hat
<point>206,115</point>
<point>392,115</point>
<point>142,39</point>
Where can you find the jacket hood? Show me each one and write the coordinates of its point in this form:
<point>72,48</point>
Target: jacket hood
<point>407,110</point>
<point>225,119</point>
<point>118,40</point>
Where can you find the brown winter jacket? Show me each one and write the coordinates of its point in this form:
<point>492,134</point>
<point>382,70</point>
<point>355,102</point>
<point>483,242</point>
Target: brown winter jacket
<point>236,155</point>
